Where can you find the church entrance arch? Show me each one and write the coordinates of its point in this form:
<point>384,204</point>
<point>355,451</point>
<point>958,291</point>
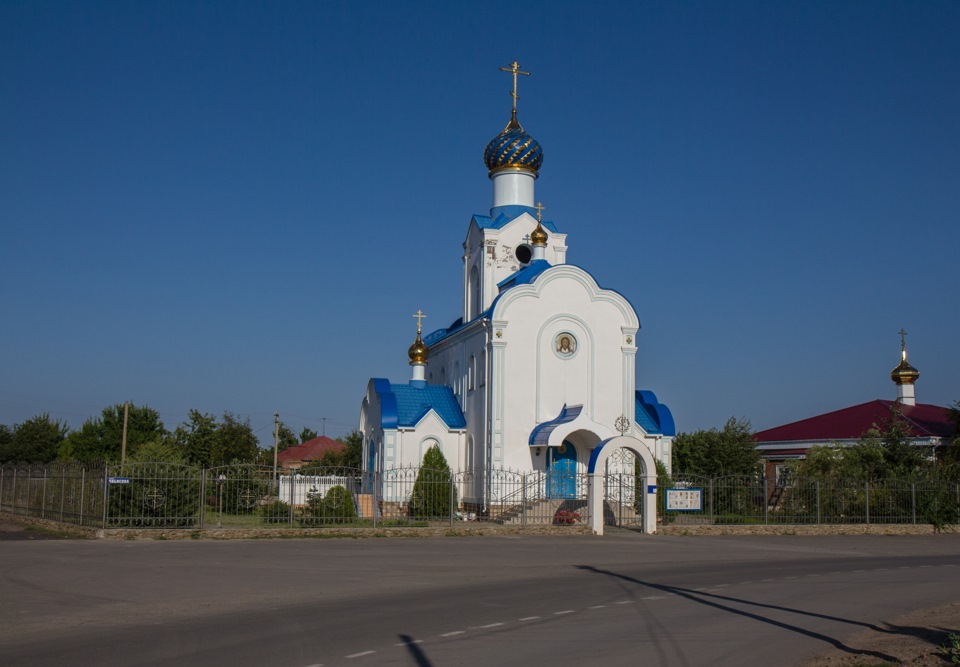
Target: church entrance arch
<point>562,471</point>
<point>645,482</point>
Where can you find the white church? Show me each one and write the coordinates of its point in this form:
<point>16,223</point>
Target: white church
<point>536,371</point>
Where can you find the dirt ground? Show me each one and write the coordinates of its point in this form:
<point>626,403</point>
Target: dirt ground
<point>914,640</point>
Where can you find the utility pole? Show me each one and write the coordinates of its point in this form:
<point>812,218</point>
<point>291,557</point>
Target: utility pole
<point>123,440</point>
<point>324,427</point>
<point>276,442</point>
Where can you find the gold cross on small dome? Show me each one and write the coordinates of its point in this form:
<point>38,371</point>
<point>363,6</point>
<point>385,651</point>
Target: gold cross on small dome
<point>420,316</point>
<point>539,208</point>
<point>514,69</point>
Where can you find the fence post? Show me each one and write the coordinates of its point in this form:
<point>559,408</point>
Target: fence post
<point>293,480</point>
<point>83,496</point>
<point>43,495</point>
<point>913,500</point>
<point>817,482</point>
<point>766,503</point>
<point>106,493</point>
<point>373,494</point>
<point>63,490</point>
<point>523,499</point>
<point>712,520</point>
<point>866,486</point>
<point>203,494</point>
<point>451,502</point>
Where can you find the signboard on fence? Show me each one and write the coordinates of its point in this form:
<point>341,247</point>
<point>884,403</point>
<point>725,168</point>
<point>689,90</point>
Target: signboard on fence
<point>684,500</point>
<point>119,480</point>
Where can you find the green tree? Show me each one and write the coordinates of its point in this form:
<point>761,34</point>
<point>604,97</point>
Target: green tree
<point>285,438</point>
<point>885,451</point>
<point>350,457</point>
<point>434,494</point>
<point>206,442</point>
<point>307,434</point>
<point>731,451</point>
<point>34,441</point>
<point>238,443</point>
<point>101,438</point>
<point>196,438</point>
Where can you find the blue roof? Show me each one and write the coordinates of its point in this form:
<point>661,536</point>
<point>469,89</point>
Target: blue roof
<point>540,435</point>
<point>526,275</point>
<point>501,216</point>
<point>404,405</point>
<point>653,416</point>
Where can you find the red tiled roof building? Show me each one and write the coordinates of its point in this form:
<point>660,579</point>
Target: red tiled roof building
<point>928,425</point>
<point>308,452</point>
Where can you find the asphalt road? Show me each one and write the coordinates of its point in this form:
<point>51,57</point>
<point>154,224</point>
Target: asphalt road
<point>624,599</point>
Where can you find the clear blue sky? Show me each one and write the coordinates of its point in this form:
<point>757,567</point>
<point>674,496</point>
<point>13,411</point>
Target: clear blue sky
<point>238,206</point>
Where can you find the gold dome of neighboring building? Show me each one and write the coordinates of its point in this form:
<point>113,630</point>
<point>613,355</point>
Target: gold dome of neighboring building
<point>904,373</point>
<point>539,235</point>
<point>418,352</point>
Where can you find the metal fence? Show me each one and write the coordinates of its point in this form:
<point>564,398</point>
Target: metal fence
<point>164,495</point>
<point>753,500</point>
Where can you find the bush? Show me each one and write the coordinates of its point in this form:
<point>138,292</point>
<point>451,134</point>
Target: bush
<point>336,507</point>
<point>276,512</point>
<point>434,495</point>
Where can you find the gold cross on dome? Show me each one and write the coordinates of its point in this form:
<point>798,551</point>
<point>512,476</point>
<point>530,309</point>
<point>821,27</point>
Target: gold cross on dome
<point>903,342</point>
<point>514,69</point>
<point>539,208</point>
<point>420,316</point>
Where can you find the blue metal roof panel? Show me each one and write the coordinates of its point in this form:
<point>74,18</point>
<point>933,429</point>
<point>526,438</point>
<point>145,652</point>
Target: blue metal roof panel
<point>414,402</point>
<point>653,416</point>
<point>540,435</point>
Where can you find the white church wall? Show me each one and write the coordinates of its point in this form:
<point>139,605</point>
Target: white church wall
<point>564,300</point>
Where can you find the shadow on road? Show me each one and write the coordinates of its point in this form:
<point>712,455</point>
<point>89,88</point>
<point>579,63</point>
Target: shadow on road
<point>714,600</point>
<point>415,651</point>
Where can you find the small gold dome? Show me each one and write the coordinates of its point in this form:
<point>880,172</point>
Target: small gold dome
<point>418,352</point>
<point>904,373</point>
<point>539,235</point>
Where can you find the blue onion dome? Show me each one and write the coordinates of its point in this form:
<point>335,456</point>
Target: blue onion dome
<point>513,149</point>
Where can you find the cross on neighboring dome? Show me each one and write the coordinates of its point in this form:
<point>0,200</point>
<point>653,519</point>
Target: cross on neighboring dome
<point>539,208</point>
<point>514,69</point>
<point>420,316</point>
<point>903,342</point>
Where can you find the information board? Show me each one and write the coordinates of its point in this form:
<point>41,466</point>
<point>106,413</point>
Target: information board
<point>684,500</point>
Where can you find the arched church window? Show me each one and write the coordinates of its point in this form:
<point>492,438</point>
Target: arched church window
<point>472,373</point>
<point>473,293</point>
<point>426,444</point>
<point>482,369</point>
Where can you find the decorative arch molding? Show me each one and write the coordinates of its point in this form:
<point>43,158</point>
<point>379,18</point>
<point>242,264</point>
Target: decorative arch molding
<point>560,272</point>
<point>595,474</point>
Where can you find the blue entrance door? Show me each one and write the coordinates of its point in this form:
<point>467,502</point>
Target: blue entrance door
<point>562,474</point>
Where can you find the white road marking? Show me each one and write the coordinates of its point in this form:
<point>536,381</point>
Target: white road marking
<point>455,632</point>
<point>566,611</point>
<point>490,625</point>
<point>528,618</point>
<point>412,641</point>
<point>625,602</point>
<point>700,589</point>
<point>721,585</point>
<point>359,655</point>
